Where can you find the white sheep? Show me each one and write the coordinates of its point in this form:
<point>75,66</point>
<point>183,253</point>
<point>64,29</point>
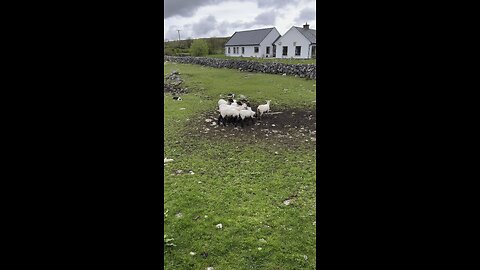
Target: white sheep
<point>222,101</point>
<point>230,112</point>
<point>247,114</point>
<point>264,108</point>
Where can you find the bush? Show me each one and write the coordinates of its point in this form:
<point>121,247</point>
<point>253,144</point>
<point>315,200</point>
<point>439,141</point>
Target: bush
<point>199,48</point>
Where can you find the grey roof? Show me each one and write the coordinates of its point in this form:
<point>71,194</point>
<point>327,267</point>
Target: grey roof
<point>310,34</point>
<point>250,37</point>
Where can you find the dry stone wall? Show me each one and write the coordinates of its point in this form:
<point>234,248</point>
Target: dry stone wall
<point>308,71</point>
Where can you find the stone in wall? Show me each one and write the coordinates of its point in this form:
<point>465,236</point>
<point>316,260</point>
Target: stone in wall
<point>308,71</point>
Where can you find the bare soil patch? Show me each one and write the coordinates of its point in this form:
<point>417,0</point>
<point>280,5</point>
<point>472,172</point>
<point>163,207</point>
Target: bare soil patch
<point>289,126</point>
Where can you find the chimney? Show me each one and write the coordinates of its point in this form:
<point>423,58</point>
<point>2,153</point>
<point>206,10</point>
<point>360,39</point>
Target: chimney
<point>306,26</point>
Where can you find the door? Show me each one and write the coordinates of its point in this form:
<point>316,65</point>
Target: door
<point>274,51</point>
<point>314,51</point>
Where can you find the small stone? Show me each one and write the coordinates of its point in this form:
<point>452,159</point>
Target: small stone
<point>210,268</point>
<point>179,215</point>
<point>182,109</point>
<point>273,125</point>
<point>262,240</point>
<point>286,202</point>
<point>192,253</point>
<point>259,248</point>
<point>208,120</point>
<point>179,171</point>
<point>276,153</point>
<point>305,257</point>
<point>219,226</point>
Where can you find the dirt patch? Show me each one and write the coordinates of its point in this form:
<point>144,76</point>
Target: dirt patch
<point>289,126</point>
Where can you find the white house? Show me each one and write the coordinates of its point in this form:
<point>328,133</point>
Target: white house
<point>252,43</point>
<point>297,42</point>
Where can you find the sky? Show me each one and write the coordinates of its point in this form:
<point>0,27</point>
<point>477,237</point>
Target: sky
<point>222,18</point>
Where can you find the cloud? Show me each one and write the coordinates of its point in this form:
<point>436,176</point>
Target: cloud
<point>266,18</point>
<point>306,14</point>
<point>276,3</point>
<point>184,8</point>
<point>187,8</point>
<point>205,26</point>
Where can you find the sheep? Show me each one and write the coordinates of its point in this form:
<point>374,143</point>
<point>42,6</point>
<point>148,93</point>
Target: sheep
<point>230,113</point>
<point>222,101</point>
<point>264,108</point>
<point>247,114</point>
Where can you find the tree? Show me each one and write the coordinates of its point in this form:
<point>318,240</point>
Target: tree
<point>199,48</point>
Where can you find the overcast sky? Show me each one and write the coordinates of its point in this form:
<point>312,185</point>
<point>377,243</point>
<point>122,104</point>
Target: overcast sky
<point>221,18</point>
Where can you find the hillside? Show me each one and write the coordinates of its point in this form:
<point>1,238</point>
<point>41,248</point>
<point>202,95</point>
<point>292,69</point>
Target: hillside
<point>181,47</point>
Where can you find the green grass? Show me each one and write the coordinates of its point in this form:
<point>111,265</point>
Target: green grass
<point>278,60</point>
<point>242,188</point>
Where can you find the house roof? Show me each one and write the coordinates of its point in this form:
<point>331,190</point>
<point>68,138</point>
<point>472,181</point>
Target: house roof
<point>250,37</point>
<point>310,34</point>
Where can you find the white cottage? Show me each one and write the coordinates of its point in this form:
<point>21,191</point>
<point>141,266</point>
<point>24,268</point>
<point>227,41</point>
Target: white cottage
<point>297,42</point>
<point>252,43</point>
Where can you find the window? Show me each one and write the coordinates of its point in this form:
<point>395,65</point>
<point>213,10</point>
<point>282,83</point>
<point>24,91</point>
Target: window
<point>228,50</point>
<point>243,50</point>
<point>255,49</point>
<point>298,50</point>
<point>314,51</point>
<point>238,51</point>
<point>285,50</point>
<point>234,50</point>
<point>268,50</point>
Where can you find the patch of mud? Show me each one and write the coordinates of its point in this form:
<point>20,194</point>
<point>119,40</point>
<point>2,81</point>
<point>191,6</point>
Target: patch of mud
<point>289,126</point>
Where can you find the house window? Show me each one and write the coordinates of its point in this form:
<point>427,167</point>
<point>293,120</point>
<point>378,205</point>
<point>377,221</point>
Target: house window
<point>228,50</point>
<point>238,51</point>
<point>255,49</point>
<point>285,50</point>
<point>298,50</point>
<point>268,50</point>
<point>243,50</point>
<point>234,50</point>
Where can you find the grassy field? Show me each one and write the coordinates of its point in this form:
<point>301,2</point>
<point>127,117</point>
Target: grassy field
<point>279,60</point>
<point>260,188</point>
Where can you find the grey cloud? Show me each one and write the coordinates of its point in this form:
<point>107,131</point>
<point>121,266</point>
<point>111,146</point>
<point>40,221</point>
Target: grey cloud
<point>205,26</point>
<point>184,7</point>
<point>276,3</point>
<point>266,18</point>
<point>306,14</point>
<point>188,8</point>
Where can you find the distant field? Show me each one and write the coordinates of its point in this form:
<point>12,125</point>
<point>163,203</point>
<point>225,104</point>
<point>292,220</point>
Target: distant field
<point>259,181</point>
<point>279,60</point>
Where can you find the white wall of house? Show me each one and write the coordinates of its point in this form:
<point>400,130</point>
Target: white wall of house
<point>249,51</point>
<point>291,39</point>
<point>268,42</point>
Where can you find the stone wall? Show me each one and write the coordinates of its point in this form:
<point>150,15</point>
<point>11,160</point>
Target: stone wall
<point>308,71</point>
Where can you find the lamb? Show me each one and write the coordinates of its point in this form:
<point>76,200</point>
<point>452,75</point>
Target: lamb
<point>264,108</point>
